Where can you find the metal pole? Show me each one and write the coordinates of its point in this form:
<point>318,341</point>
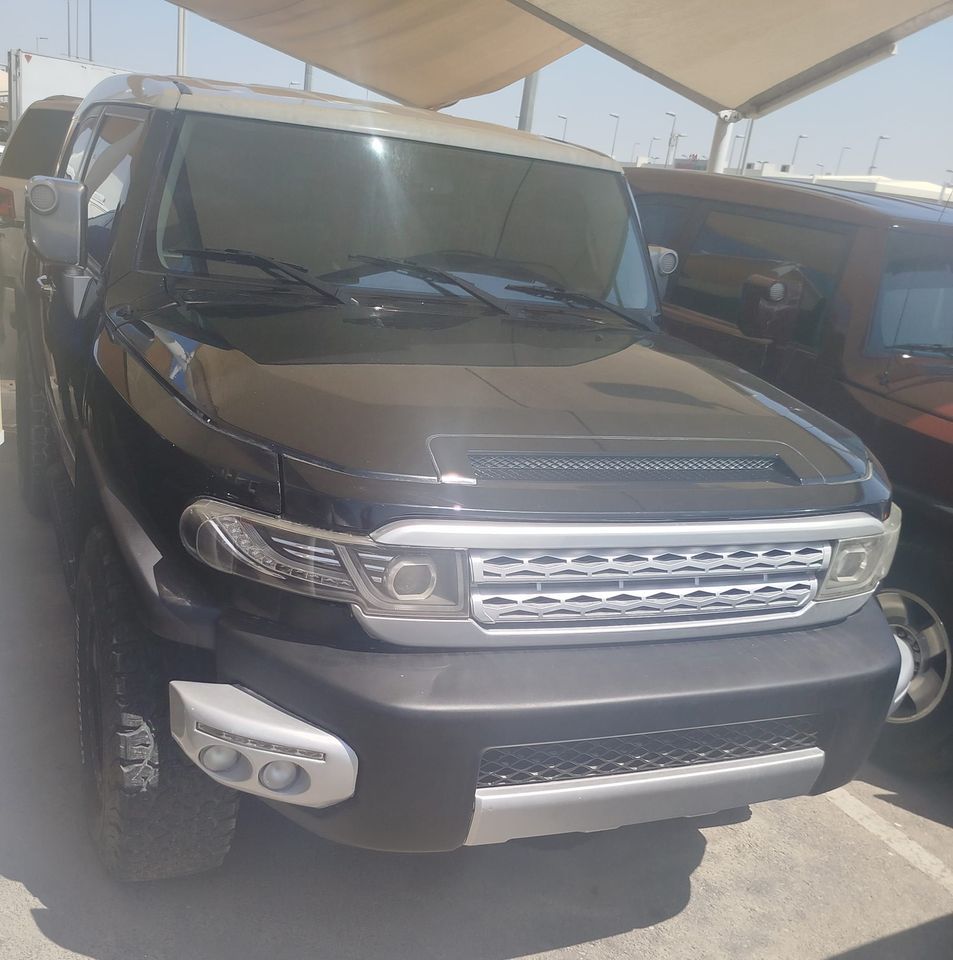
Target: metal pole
<point>615,134</point>
<point>744,153</point>
<point>565,120</point>
<point>721,139</point>
<point>308,77</point>
<point>873,160</point>
<point>180,46</point>
<point>77,29</point>
<point>671,136</point>
<point>840,159</point>
<point>69,29</point>
<point>89,24</point>
<point>652,147</point>
<point>528,103</point>
<point>731,152</point>
<point>797,143</point>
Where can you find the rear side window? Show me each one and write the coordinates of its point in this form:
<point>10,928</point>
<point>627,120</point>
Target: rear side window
<point>915,307</point>
<point>107,175</point>
<point>733,244</point>
<point>35,144</point>
<point>664,218</point>
<point>73,165</point>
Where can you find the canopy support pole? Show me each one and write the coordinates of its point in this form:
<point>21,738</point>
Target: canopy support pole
<point>528,103</point>
<point>180,45</point>
<point>308,77</point>
<point>721,140</point>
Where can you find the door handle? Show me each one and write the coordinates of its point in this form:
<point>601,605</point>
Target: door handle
<point>46,285</point>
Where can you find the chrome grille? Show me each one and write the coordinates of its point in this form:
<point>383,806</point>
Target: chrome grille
<point>492,566</point>
<point>531,586</point>
<point>609,466</point>
<point>606,756</point>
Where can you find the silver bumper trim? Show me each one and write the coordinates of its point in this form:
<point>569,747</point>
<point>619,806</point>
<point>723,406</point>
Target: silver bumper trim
<point>603,803</point>
<point>218,714</point>
<point>421,632</point>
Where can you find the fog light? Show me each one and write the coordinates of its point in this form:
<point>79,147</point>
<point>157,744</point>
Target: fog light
<point>278,775</point>
<point>411,579</point>
<point>218,759</point>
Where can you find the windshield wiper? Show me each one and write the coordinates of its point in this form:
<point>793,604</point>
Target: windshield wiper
<point>549,292</point>
<point>281,268</point>
<point>425,272</point>
<point>931,347</point>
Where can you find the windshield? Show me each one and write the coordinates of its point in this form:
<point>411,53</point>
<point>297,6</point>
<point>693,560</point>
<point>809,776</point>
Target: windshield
<point>915,309</point>
<point>342,204</point>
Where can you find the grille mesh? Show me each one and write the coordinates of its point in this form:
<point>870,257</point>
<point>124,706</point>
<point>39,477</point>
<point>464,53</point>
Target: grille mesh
<point>580,759</point>
<point>568,467</point>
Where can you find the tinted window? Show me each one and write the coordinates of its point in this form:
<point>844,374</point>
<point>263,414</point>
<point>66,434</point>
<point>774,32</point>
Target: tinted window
<point>732,245</point>
<point>915,308</point>
<point>107,178</point>
<point>322,198</point>
<point>664,219</point>
<point>35,144</point>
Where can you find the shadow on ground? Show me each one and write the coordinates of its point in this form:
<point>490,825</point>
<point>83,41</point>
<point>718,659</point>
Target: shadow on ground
<point>930,797</point>
<point>282,894</point>
<point>928,941</point>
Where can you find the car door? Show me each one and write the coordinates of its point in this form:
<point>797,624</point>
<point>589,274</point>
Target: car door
<point>102,155</point>
<point>722,247</point>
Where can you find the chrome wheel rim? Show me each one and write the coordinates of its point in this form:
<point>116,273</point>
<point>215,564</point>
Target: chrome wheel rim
<point>915,623</point>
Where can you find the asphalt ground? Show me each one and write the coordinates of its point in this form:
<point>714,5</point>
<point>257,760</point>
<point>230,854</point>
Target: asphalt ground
<point>865,873</point>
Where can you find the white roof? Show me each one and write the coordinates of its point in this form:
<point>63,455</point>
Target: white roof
<point>746,55</point>
<point>286,105</point>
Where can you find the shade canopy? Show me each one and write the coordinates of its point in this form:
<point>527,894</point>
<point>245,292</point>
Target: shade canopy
<point>742,55</point>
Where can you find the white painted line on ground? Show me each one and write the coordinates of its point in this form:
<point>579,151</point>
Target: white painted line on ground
<point>897,840</point>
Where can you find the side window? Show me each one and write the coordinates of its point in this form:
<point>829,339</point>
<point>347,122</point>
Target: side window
<point>664,218</point>
<point>732,245</point>
<point>35,145</point>
<point>107,176</point>
<point>73,164</point>
<point>915,306</point>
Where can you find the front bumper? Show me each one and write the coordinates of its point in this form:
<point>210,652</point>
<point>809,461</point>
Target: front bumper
<point>419,723</point>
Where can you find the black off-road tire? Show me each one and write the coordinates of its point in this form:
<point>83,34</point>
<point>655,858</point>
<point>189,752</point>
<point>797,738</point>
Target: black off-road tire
<point>918,739</point>
<point>151,812</point>
<point>35,447</point>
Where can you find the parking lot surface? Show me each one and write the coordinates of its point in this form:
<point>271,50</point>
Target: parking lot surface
<point>865,873</point>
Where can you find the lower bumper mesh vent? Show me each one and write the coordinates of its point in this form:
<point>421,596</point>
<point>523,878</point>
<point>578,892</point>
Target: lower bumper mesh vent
<point>569,467</point>
<point>578,759</point>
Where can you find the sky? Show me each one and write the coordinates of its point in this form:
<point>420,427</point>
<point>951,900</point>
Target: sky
<point>905,98</point>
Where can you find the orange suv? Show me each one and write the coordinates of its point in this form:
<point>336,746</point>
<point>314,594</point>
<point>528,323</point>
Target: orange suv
<point>844,300</point>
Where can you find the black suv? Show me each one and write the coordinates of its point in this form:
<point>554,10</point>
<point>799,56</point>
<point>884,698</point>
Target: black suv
<point>383,497</point>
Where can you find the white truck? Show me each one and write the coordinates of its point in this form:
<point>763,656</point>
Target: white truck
<point>36,76</point>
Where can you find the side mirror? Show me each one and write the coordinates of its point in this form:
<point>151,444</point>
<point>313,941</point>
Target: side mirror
<point>55,220</point>
<point>664,264</point>
<point>770,307</point>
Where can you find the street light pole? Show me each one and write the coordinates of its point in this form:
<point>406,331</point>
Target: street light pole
<point>180,45</point>
<point>873,160</point>
<point>797,143</point>
<point>565,120</point>
<point>731,152</point>
<point>635,147</point>
<point>69,28</point>
<point>89,25</point>
<point>38,39</point>
<point>675,139</point>
<point>671,136</point>
<point>615,134</point>
<point>840,159</point>
<point>652,143</point>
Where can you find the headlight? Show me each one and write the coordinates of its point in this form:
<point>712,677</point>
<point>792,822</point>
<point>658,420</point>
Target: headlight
<point>859,564</point>
<point>331,566</point>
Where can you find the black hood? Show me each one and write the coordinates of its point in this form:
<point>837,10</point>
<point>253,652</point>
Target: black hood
<point>405,394</point>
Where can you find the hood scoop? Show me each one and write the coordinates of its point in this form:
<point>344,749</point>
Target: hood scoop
<point>501,460</point>
<point>565,468</point>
